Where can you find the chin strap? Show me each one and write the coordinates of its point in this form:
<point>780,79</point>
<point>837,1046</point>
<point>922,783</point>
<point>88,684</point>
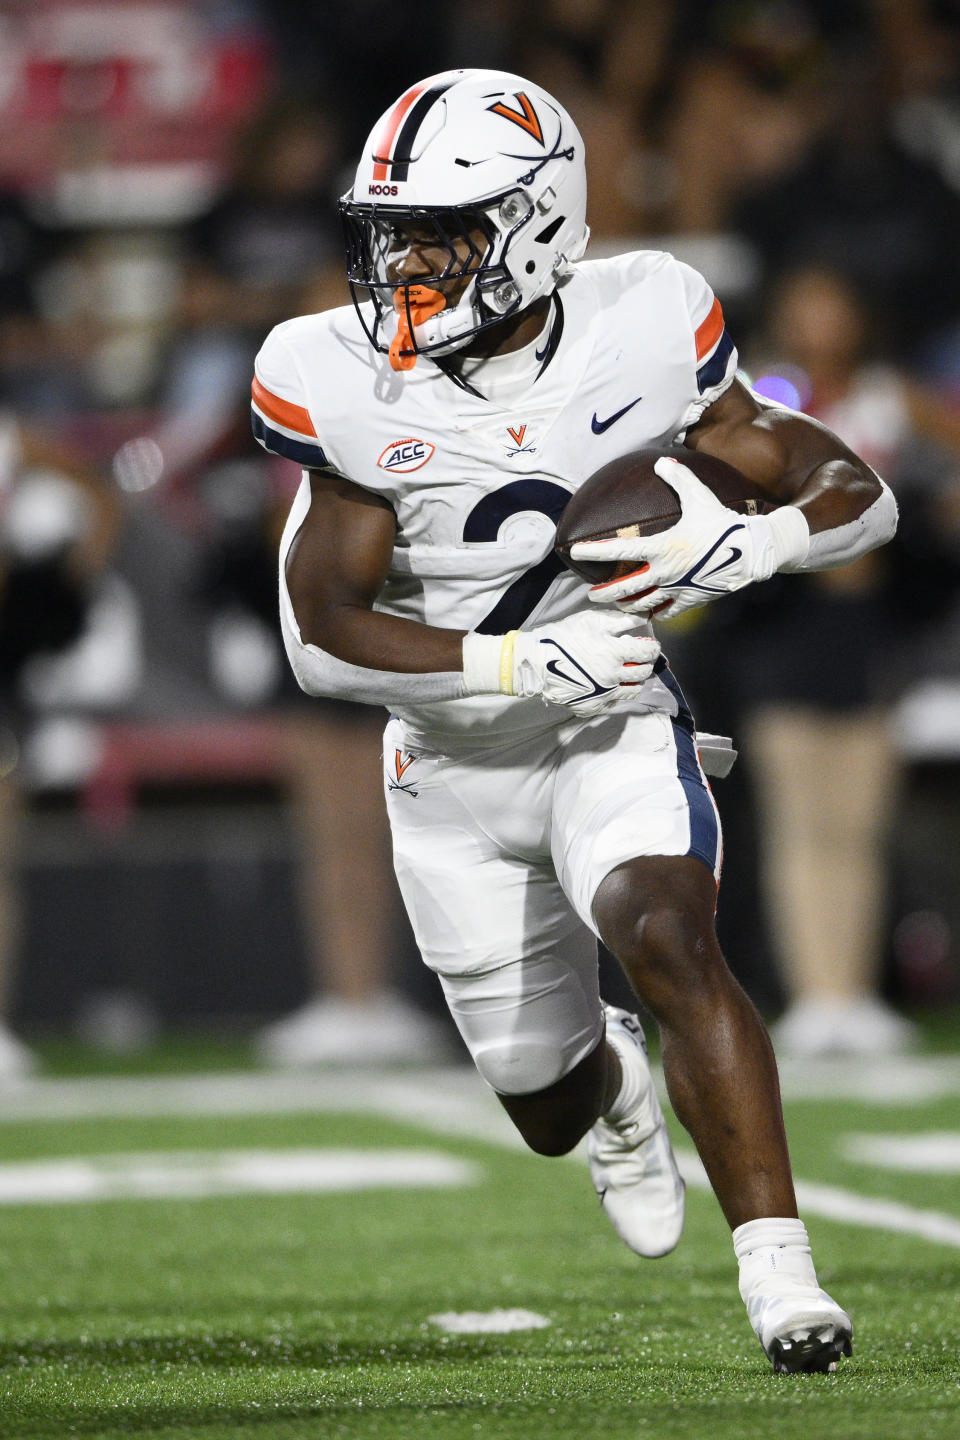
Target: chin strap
<point>414,307</point>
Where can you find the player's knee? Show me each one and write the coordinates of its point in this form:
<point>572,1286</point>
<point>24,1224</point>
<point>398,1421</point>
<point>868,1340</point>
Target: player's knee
<point>550,1137</point>
<point>672,957</point>
<point>549,1123</point>
<point>671,937</point>
<point>557,1104</point>
<point>520,1066</point>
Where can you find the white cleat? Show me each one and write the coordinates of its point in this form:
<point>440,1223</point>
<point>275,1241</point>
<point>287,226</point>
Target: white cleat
<point>798,1325</point>
<point>631,1160</point>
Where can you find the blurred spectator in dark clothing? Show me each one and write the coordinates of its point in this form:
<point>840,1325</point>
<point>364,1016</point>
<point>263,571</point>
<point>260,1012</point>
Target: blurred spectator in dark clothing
<point>271,240</point>
<point>860,198</point>
<point>59,527</point>
<point>605,61</point>
<point>354,59</point>
<point>271,247</point>
<point>330,754</point>
<point>816,672</point>
<point>753,90</point>
<point>683,107</point>
<point>275,225</point>
<point>28,359</point>
<point>20,254</point>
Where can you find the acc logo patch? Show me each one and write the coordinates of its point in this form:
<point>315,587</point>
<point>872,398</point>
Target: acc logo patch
<point>406,455</point>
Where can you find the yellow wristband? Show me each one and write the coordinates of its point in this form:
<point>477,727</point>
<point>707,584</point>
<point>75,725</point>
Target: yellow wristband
<point>506,662</point>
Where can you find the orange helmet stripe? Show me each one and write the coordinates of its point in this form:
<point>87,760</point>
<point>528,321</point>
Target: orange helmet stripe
<point>389,133</point>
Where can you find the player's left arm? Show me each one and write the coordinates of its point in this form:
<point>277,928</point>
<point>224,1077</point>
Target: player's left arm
<point>830,509</point>
<point>847,508</point>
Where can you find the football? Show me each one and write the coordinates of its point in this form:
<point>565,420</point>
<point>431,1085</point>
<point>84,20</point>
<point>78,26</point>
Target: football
<point>627,498</point>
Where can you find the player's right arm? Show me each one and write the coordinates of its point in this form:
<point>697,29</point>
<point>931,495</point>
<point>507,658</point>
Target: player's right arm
<point>335,566</point>
<point>336,556</point>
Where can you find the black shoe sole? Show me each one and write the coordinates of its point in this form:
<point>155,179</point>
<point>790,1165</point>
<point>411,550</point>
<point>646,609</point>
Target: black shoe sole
<point>813,1356</point>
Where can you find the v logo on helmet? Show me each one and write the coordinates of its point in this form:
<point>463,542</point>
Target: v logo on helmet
<point>526,117</point>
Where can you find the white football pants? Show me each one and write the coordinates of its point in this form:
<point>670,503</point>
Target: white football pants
<point>499,855</point>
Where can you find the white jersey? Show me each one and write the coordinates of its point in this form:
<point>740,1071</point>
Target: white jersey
<point>635,352</point>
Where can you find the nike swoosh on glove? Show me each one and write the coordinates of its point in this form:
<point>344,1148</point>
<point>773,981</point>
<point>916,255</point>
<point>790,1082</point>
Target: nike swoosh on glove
<point>709,551</point>
<point>583,662</point>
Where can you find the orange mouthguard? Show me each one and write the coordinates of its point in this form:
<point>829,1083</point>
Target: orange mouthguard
<point>423,303</point>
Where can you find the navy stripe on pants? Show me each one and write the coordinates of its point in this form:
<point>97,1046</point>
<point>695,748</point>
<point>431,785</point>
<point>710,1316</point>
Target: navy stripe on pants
<point>704,830</point>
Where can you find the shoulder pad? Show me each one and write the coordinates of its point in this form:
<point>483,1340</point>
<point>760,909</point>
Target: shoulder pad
<point>280,418</point>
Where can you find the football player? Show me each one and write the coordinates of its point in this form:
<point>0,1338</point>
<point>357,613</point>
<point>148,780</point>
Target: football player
<point>541,767</point>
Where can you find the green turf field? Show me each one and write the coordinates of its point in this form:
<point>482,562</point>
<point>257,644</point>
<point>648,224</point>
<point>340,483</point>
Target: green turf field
<point>308,1314</point>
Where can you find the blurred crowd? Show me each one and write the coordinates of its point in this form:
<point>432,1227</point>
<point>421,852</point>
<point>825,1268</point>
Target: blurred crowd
<point>169,193</point>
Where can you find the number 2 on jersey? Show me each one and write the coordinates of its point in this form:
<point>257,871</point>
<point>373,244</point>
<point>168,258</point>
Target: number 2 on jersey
<point>484,524</point>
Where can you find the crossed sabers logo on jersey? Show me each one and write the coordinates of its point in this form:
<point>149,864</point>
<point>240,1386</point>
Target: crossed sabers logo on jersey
<point>517,436</point>
<point>401,765</point>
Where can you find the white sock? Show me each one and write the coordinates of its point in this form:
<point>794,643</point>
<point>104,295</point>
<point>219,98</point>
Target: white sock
<point>773,1246</point>
<point>635,1084</point>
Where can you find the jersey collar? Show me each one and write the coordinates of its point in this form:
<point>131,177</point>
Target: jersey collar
<point>552,345</point>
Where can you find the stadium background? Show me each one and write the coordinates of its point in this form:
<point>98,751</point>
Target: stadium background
<point>167,188</point>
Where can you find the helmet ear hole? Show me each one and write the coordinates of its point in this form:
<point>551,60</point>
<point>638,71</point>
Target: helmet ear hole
<point>548,231</point>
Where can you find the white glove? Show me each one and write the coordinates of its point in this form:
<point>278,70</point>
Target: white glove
<point>709,551</point>
<point>583,661</point>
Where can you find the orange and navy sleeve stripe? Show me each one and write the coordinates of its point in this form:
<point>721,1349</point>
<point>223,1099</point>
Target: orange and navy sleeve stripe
<point>284,428</point>
<point>714,348</point>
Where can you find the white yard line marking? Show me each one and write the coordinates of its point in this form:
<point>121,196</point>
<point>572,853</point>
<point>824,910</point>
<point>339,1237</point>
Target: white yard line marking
<point>833,1203</point>
<point>438,1092</point>
<point>894,1080</point>
<point>936,1152</point>
<point>191,1174</point>
<point>488,1322</point>
<point>247,1092</point>
<point>454,1102</point>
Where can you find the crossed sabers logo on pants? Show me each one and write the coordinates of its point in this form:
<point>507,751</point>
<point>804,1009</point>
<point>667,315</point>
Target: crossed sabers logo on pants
<point>401,764</point>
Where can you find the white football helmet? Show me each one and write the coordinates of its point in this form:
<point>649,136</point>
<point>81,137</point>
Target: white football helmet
<point>487,171</point>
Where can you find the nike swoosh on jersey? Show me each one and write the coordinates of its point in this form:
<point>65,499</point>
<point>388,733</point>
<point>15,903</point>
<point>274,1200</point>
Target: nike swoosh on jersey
<point>598,426</point>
